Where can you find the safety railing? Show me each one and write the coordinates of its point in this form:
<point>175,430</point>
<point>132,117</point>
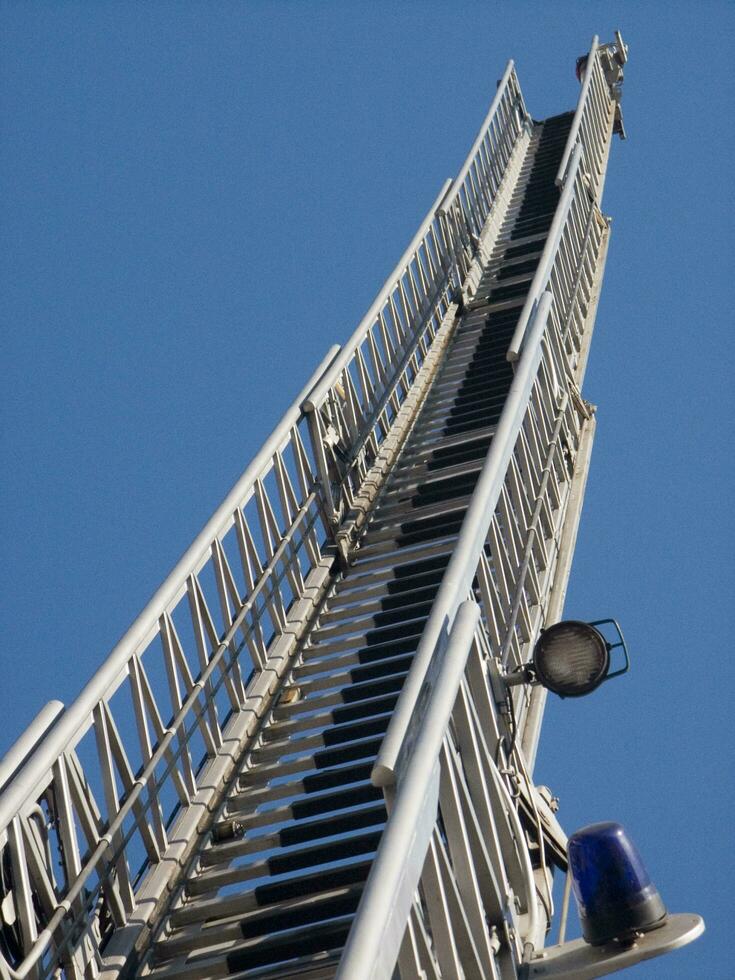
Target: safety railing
<point>467,203</point>
<point>353,405</point>
<point>566,266</point>
<point>595,113</point>
<point>498,521</point>
<point>448,765</point>
<point>93,808</point>
<point>100,820</point>
<point>505,559</point>
<point>477,892</point>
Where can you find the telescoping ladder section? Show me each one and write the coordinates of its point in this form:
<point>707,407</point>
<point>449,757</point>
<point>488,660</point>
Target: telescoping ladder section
<point>295,763</point>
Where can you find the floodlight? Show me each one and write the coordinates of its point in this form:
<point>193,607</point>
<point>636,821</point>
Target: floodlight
<point>572,658</point>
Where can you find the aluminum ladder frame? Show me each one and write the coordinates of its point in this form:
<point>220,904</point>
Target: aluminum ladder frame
<point>123,792</point>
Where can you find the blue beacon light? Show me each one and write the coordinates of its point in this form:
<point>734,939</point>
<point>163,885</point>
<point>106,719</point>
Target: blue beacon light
<point>614,894</point>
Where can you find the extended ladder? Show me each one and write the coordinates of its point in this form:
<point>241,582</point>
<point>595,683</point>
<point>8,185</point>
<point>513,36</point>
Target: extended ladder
<point>301,760</point>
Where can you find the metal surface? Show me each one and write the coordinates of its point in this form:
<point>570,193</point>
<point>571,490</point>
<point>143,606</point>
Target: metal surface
<point>29,741</point>
<point>579,961</point>
<point>211,805</point>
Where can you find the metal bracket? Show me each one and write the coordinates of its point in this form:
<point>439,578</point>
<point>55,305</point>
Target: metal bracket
<point>577,960</point>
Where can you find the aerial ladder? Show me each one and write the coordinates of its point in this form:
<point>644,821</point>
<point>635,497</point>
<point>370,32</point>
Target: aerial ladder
<point>311,756</point>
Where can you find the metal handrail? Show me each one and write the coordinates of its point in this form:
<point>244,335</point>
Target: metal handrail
<point>595,113</point>
<point>462,567</point>
<point>29,741</point>
<point>546,262</point>
<point>348,407</point>
<point>579,112</point>
<point>319,392</point>
<point>460,181</point>
<point>77,714</point>
<point>379,361</point>
<point>373,943</point>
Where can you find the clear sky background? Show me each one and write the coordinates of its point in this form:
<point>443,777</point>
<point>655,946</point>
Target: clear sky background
<point>199,198</point>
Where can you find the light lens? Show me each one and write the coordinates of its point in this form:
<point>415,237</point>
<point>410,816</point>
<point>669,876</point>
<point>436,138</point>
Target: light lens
<point>571,658</point>
<point>614,894</point>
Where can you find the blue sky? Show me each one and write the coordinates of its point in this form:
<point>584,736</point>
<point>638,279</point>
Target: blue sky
<point>198,199</point>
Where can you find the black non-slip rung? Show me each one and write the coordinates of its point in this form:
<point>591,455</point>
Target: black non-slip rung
<point>319,781</point>
<point>488,368</point>
<point>320,881</point>
<point>318,938</point>
<point>487,407</point>
<point>418,607</point>
<point>364,654</point>
<point>531,226</point>
<point>425,565</point>
<point>467,425</point>
<point>337,850</point>
<point>319,910</point>
<point>446,490</point>
<point>326,758</point>
<point>515,251</point>
<point>499,377</point>
<point>390,646</point>
<point>389,585</point>
<point>476,451</point>
<point>540,194</point>
<point>428,531</point>
<point>389,603</point>
<point>508,292</point>
<point>391,683</point>
<point>519,269</point>
<point>395,587</point>
<point>352,712</point>
<point>488,348</point>
<point>343,799</point>
<point>487,365</point>
<point>349,733</point>
<point>387,665</point>
<point>398,631</point>
<point>493,395</point>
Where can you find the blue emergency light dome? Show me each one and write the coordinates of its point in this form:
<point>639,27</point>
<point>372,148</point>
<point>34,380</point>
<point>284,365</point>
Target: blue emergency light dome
<point>614,894</point>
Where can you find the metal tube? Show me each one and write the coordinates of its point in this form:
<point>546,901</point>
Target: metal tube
<point>460,571</point>
<point>374,940</point>
<point>565,908</point>
<point>315,397</point>
<point>456,187</point>
<point>579,112</point>
<point>555,607</point>
<point>532,532</point>
<point>525,860</point>
<point>80,711</point>
<point>543,271</point>
<point>29,741</point>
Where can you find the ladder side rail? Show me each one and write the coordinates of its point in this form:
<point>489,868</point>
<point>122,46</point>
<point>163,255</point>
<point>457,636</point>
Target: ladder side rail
<point>568,245</point>
<point>593,119</point>
<point>550,256</point>
<point>464,209</point>
<point>28,742</point>
<point>475,804</point>
<point>202,622</point>
<point>449,769</point>
<point>157,713</point>
<point>463,565</point>
<point>350,408</point>
<point>582,108</point>
<point>375,939</point>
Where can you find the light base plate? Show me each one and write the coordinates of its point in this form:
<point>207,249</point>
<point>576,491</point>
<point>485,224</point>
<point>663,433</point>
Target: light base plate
<point>577,960</point>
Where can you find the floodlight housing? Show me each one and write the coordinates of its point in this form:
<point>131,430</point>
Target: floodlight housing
<point>572,658</point>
